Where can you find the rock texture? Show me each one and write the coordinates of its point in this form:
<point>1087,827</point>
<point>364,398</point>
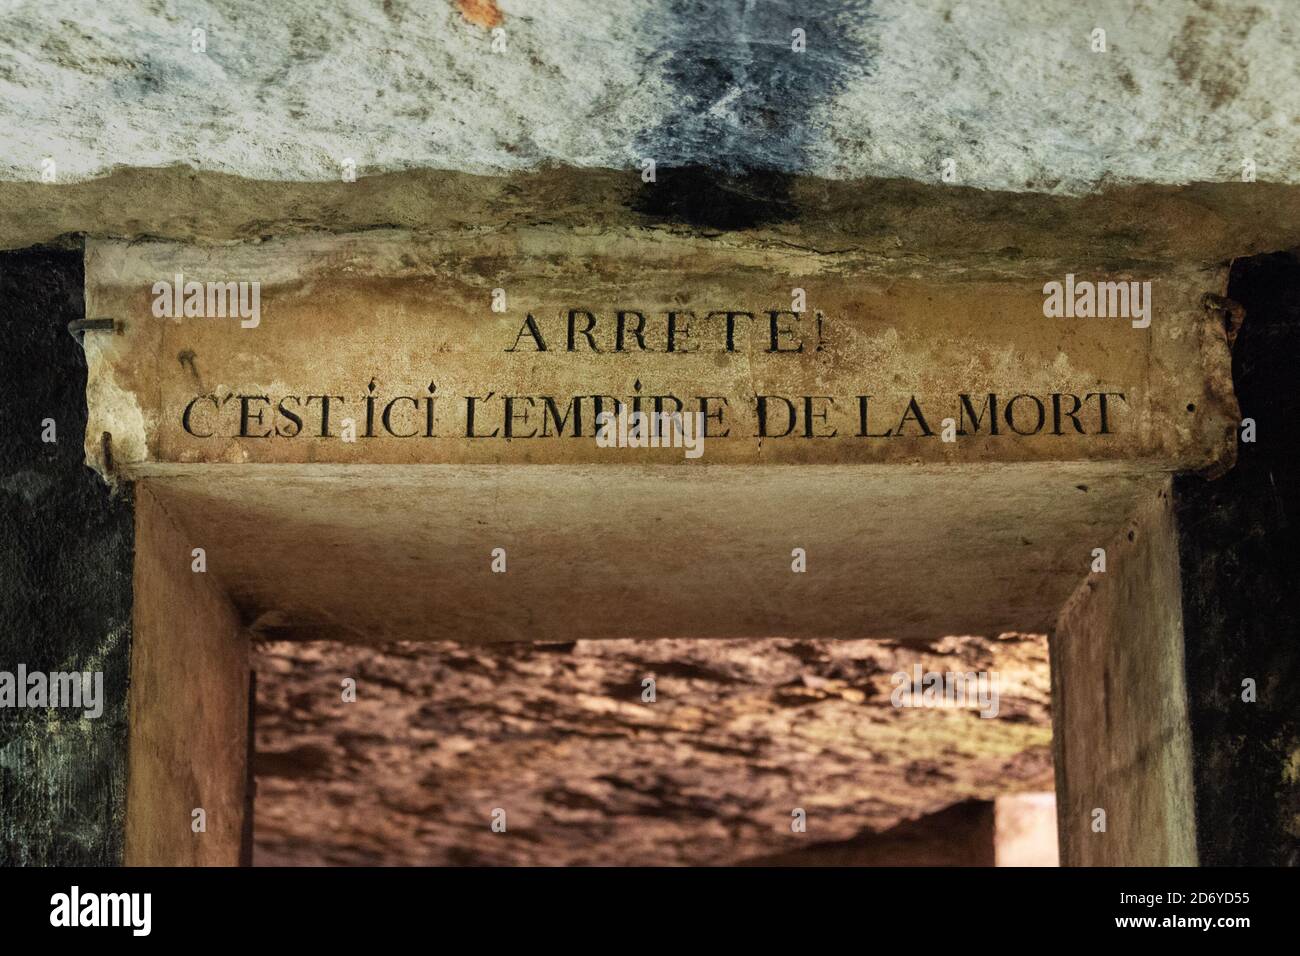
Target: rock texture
<point>1122,739</point>
<point>188,705</point>
<point>66,547</point>
<point>741,733</point>
<point>1238,554</point>
<point>1011,91</point>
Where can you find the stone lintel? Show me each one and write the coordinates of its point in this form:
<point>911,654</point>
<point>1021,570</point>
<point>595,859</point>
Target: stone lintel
<point>788,360</point>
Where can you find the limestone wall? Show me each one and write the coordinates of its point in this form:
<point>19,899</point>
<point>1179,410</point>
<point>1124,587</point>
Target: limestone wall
<point>188,702</point>
<point>1120,729</point>
<point>508,350</point>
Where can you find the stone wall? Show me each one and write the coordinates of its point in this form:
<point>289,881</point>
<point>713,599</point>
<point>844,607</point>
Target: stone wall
<point>66,544</point>
<point>189,704</point>
<point>1239,549</point>
<point>1120,734</point>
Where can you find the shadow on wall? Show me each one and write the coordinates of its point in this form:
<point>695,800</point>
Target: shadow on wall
<point>1016,830</point>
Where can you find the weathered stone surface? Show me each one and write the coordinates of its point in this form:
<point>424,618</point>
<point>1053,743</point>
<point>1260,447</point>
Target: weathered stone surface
<point>774,169</point>
<point>371,325</point>
<point>1173,698</point>
<point>873,226</point>
<point>741,732</point>
<point>1011,91</point>
<point>341,314</point>
<point>351,553</point>
<point>189,705</point>
<point>1121,736</point>
<point>66,545</point>
<point>1239,559</point>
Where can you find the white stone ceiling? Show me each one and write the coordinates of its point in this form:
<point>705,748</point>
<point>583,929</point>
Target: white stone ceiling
<point>1010,90</point>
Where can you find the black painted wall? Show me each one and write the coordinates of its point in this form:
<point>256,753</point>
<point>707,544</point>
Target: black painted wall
<point>66,551</point>
<point>1239,541</point>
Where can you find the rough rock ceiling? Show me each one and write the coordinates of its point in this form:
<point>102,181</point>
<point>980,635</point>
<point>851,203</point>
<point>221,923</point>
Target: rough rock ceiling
<point>1185,90</point>
<point>741,733</point>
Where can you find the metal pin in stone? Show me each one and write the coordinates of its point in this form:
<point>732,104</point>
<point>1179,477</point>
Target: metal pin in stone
<point>78,327</point>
